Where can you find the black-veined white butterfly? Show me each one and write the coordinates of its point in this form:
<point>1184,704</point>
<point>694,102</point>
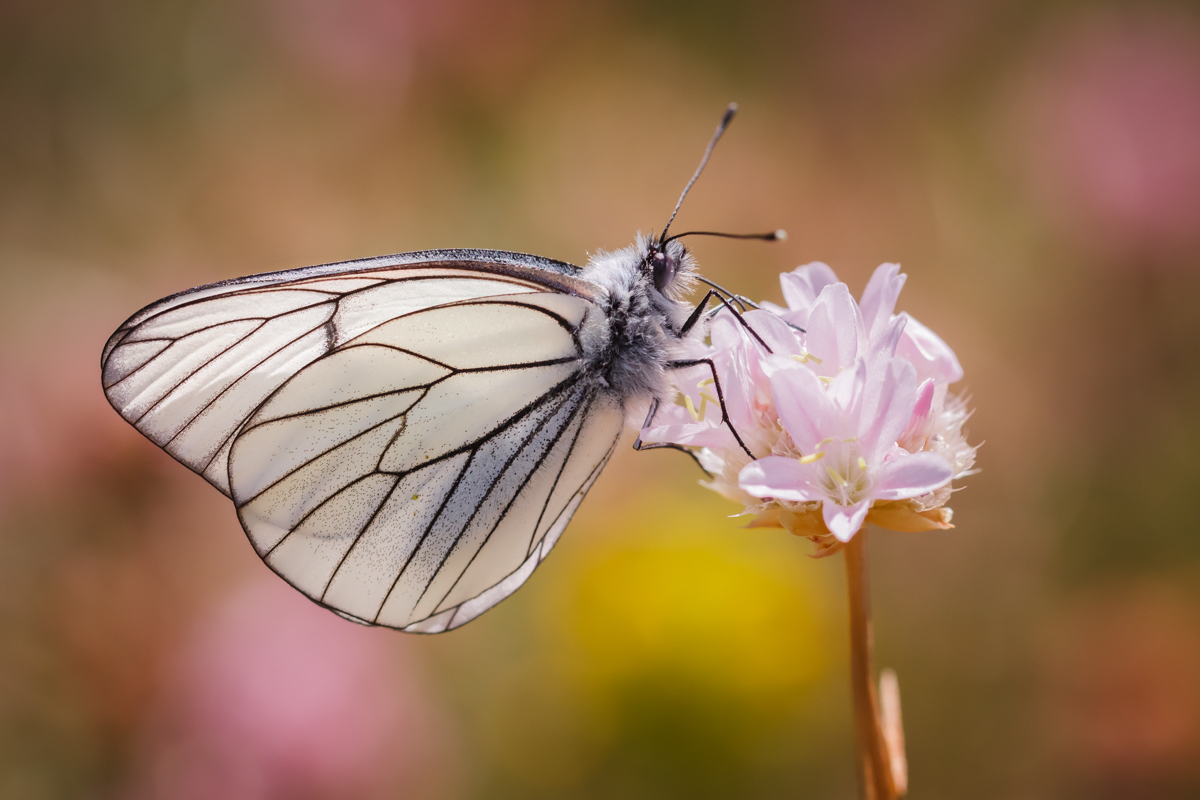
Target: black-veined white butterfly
<point>406,437</point>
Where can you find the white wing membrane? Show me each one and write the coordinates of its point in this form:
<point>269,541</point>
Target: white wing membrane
<point>410,498</point>
<point>210,357</point>
<point>404,444</point>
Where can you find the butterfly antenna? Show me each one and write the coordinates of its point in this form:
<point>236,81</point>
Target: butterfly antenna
<point>777,235</point>
<point>725,120</point>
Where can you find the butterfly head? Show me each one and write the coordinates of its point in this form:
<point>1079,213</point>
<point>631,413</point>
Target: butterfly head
<point>669,265</point>
<point>663,262</point>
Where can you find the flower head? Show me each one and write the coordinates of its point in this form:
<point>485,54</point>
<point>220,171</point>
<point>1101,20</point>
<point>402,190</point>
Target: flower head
<point>841,410</point>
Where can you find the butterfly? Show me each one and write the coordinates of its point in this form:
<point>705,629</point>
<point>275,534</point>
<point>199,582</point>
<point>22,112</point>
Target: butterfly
<point>406,437</point>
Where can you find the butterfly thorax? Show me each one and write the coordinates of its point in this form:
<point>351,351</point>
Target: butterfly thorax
<point>626,348</point>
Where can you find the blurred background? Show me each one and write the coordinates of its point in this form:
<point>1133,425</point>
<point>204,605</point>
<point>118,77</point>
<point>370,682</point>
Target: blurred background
<point>1035,167</point>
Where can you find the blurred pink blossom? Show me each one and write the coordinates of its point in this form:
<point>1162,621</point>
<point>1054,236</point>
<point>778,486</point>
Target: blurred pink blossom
<point>356,45</point>
<point>373,48</point>
<point>273,697</point>
<point>1107,120</point>
<point>55,425</point>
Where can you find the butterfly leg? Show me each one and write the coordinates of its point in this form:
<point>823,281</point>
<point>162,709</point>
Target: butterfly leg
<point>743,301</point>
<point>639,445</point>
<point>684,364</point>
<point>695,317</point>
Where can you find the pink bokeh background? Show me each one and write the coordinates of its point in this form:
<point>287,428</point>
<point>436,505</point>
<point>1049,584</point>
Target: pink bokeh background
<point>1034,168</point>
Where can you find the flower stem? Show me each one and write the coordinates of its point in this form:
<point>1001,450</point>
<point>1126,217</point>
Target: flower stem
<point>872,750</point>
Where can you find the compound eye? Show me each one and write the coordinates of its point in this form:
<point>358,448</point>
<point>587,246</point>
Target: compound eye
<point>664,270</point>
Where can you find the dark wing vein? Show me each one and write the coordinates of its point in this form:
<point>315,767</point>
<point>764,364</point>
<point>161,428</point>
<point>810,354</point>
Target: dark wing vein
<point>554,484</point>
<point>234,383</point>
<point>500,475</point>
<point>337,446</point>
<point>178,340</point>
<point>583,487</point>
<point>432,521</point>
<point>550,445</point>
<point>366,527</point>
<point>473,448</point>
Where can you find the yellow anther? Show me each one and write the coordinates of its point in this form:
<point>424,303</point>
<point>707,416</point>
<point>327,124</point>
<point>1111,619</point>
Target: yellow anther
<point>811,457</point>
<point>707,382</point>
<point>825,379</point>
<point>804,358</point>
<point>825,441</point>
<point>837,478</point>
<point>698,413</point>
<point>862,463</point>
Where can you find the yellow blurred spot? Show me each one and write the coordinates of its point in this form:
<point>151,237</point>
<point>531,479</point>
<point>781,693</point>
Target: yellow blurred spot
<point>703,613</point>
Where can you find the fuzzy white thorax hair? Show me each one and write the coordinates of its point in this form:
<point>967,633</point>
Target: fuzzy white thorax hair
<point>627,351</point>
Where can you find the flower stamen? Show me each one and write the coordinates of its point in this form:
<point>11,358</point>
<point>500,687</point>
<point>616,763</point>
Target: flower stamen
<point>837,478</point>
<point>698,413</point>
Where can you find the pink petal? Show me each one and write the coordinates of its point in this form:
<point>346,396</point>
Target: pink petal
<point>834,330</point>
<point>674,425</point>
<point>726,333</point>
<point>779,336</point>
<point>844,521</point>
<point>932,357</point>
<point>922,410</point>
<point>879,298</point>
<point>804,410</point>
<point>802,286</point>
<point>781,478</point>
<point>845,391</point>
<point>911,476</point>
<point>887,338</point>
<point>767,305</point>
<point>693,435</point>
<point>887,405</point>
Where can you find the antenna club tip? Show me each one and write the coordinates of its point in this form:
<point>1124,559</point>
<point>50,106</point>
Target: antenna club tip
<point>780,235</point>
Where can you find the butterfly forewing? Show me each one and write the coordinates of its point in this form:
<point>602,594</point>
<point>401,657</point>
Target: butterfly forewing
<point>189,370</point>
<point>404,438</point>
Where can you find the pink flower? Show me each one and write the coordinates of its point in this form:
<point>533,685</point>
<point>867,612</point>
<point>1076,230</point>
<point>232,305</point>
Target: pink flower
<point>845,434</point>
<point>841,409</point>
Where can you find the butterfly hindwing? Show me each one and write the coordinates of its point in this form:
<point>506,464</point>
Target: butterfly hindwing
<point>400,500</point>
